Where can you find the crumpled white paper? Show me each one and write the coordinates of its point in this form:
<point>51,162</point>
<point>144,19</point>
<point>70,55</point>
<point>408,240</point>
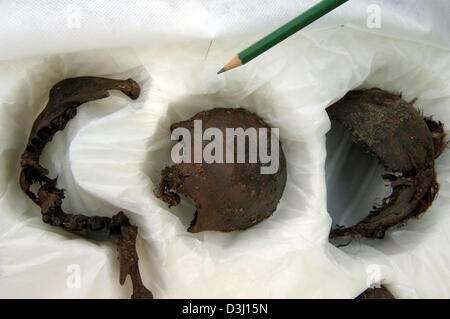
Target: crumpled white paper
<point>110,156</point>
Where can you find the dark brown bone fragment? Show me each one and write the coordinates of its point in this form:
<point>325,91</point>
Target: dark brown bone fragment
<point>376,293</point>
<point>64,98</point>
<point>393,131</point>
<point>228,196</point>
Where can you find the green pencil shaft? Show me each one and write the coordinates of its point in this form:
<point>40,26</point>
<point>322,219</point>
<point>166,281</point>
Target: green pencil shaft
<point>289,29</point>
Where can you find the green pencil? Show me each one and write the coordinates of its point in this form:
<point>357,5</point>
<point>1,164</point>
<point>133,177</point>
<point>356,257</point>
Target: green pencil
<point>306,18</point>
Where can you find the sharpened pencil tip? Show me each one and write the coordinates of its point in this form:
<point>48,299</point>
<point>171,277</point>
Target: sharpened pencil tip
<point>221,71</point>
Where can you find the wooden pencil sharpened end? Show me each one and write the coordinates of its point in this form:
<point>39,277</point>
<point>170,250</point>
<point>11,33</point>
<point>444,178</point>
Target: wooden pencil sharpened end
<point>233,63</point>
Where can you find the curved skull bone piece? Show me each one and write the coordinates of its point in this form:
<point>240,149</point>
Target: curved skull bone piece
<point>228,196</point>
<point>393,131</point>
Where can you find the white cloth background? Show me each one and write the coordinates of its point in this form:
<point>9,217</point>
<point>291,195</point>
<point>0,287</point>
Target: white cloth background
<point>110,156</point>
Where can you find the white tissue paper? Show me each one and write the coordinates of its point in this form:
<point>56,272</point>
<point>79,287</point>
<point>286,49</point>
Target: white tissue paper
<point>110,156</point>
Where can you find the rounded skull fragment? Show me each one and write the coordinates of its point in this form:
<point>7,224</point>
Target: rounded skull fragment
<point>406,144</point>
<point>231,192</point>
<point>376,293</point>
